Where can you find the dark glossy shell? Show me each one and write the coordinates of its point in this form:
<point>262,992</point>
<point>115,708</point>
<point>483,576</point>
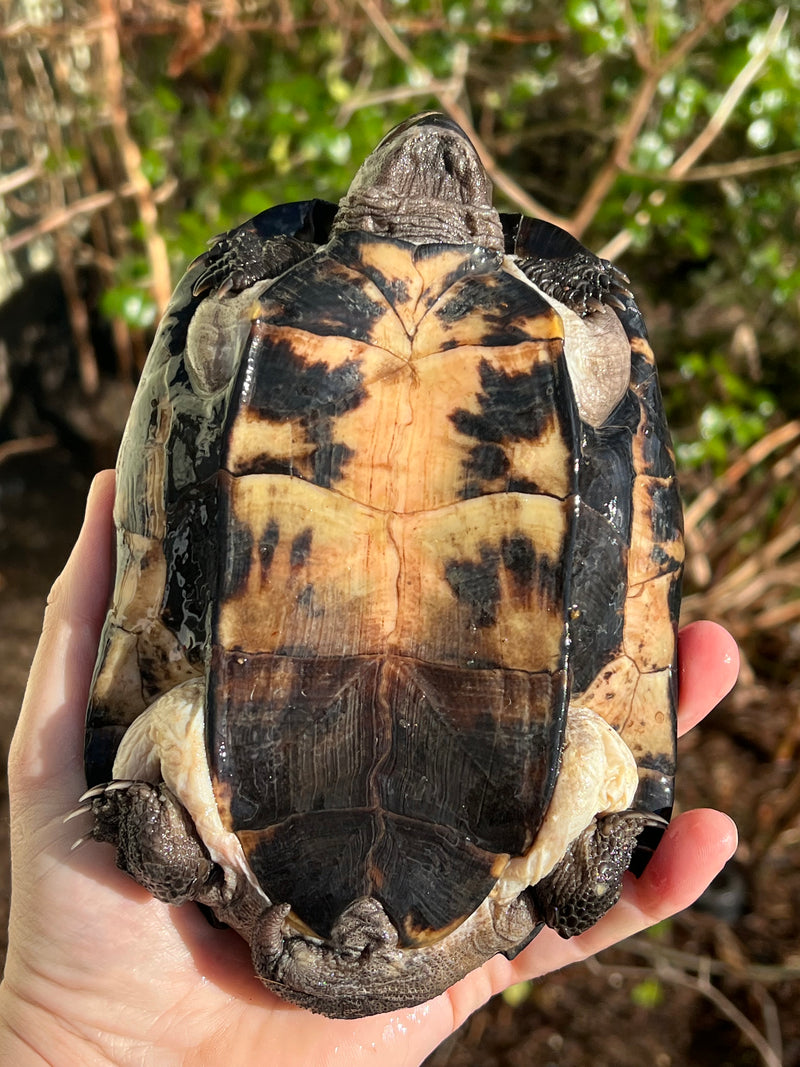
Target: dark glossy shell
<point>397,554</point>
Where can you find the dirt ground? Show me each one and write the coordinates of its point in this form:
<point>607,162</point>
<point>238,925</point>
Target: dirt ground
<point>719,984</point>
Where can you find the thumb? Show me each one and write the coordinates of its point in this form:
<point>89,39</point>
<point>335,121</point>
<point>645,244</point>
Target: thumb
<point>45,766</point>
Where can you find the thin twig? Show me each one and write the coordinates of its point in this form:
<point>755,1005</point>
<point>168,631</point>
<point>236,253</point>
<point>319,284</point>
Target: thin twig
<point>702,984</point>
<point>719,171</point>
<point>726,1007</point>
<point>724,109</point>
<point>682,169</point>
<point>721,486</point>
<point>18,178</point>
<point>132,158</point>
<point>641,50</point>
<point>23,446</point>
<point>620,154</point>
<point>87,205</point>
<point>691,961</point>
<point>55,220</point>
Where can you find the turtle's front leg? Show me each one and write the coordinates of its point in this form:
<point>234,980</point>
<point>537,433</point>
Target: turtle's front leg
<point>156,840</point>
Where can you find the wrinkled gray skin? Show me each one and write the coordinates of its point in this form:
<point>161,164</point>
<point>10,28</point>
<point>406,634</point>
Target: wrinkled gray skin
<point>423,184</point>
<point>423,161</point>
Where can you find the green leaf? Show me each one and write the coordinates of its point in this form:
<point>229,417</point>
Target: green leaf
<point>648,994</point>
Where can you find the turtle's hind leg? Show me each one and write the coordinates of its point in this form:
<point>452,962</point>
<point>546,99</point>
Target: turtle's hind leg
<point>588,880</point>
<point>160,811</point>
<point>155,838</point>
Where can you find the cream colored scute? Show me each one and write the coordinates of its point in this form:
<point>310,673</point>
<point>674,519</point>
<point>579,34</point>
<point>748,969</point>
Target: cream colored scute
<point>167,743</point>
<point>598,776</point>
<point>597,352</point>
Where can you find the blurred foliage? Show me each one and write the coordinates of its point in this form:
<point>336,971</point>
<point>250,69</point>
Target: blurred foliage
<point>648,993</point>
<point>517,994</point>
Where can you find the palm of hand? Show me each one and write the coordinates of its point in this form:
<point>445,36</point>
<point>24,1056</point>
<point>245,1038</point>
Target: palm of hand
<point>99,972</point>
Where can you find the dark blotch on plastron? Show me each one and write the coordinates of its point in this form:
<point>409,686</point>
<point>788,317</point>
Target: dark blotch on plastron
<point>310,298</point>
<point>267,544</point>
<point>476,585</point>
<point>305,600</point>
<point>524,485</point>
<point>394,289</point>
<point>287,387</point>
<point>519,558</point>
<point>488,461</point>
<point>492,298</point>
<point>266,464</point>
<point>513,407</point>
<point>301,547</point>
<point>487,464</point>
<point>330,458</point>
<point>532,572</point>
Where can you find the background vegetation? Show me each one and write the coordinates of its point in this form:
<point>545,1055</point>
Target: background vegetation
<point>663,133</point>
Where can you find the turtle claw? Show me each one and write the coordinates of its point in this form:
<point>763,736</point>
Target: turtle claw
<point>107,787</point>
<point>90,794</point>
<point>619,276</point>
<point>84,809</point>
<point>581,281</point>
<point>81,841</point>
<point>612,300</point>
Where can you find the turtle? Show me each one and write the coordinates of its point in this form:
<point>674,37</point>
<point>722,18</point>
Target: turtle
<point>388,678</point>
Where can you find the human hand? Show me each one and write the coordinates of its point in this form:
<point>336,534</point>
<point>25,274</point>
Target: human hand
<point>100,973</point>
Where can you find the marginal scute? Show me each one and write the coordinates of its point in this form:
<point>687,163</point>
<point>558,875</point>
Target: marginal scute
<point>649,634</point>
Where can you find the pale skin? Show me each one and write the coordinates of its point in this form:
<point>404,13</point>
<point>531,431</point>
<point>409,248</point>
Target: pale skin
<point>100,973</point>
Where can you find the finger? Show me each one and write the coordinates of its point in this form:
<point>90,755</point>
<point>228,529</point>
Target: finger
<point>48,744</point>
<point>708,665</point>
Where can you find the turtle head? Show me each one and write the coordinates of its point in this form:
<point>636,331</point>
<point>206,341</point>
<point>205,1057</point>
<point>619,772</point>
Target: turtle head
<point>425,184</point>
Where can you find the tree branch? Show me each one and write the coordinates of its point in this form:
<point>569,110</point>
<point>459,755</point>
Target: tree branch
<point>743,79</point>
<point>620,155</point>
